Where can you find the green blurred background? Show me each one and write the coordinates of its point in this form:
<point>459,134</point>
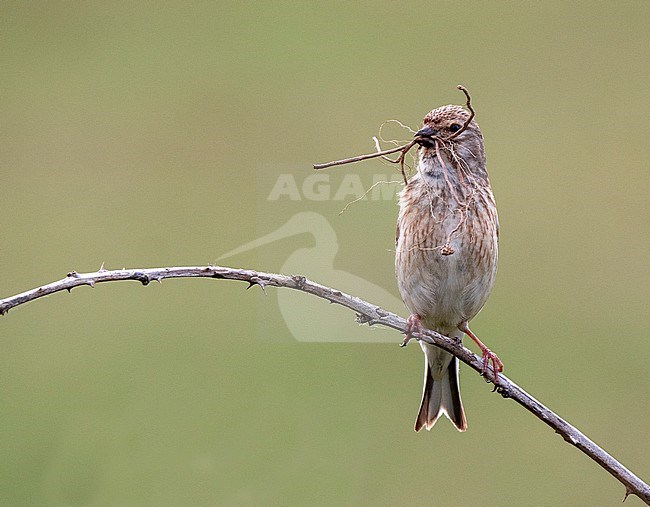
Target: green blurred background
<point>150,134</point>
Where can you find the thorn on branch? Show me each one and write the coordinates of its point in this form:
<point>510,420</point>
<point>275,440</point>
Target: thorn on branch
<point>257,281</point>
<point>362,319</point>
<point>503,391</point>
<point>628,492</point>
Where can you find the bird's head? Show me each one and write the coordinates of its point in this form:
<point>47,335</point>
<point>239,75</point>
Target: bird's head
<point>447,123</point>
<point>446,134</point>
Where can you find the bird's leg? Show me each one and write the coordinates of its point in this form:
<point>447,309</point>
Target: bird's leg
<point>413,325</point>
<point>488,355</point>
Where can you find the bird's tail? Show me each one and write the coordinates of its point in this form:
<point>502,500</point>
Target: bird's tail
<point>441,396</point>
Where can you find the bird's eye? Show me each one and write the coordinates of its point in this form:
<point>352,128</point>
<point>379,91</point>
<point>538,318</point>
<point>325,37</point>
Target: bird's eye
<point>454,127</point>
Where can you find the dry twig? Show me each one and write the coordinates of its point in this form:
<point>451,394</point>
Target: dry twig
<point>468,105</point>
<point>404,148</point>
<point>367,313</point>
<point>400,160</point>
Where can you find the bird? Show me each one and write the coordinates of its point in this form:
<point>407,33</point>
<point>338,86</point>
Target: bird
<point>446,252</point>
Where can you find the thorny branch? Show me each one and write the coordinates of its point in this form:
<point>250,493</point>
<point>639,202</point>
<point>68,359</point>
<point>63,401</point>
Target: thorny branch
<point>403,150</point>
<point>367,313</point>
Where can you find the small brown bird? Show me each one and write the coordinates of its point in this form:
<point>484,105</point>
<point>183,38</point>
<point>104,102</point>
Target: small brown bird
<point>446,251</point>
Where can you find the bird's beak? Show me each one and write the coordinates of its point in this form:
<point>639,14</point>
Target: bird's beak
<point>425,132</point>
<point>424,136</point>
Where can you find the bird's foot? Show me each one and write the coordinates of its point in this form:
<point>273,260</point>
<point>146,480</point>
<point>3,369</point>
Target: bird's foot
<point>497,364</point>
<point>413,325</point>
<point>487,355</point>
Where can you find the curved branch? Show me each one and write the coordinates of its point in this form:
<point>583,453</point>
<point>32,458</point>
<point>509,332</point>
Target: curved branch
<point>367,313</point>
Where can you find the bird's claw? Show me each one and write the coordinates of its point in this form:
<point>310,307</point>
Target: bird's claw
<point>497,365</point>
<point>413,325</point>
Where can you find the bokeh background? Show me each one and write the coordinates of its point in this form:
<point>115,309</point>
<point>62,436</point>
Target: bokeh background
<point>151,134</point>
